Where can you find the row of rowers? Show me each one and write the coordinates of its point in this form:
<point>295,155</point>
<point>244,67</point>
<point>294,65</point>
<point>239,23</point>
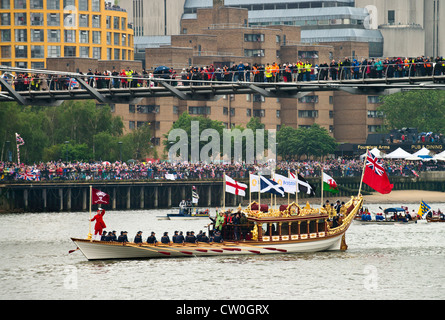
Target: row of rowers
<point>178,237</point>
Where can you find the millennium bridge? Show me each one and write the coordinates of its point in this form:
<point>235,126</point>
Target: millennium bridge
<point>203,90</point>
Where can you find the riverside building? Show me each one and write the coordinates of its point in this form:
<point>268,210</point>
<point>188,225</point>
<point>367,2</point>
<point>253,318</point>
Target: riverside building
<point>31,31</point>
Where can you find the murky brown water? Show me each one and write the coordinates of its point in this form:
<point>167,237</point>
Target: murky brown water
<point>382,262</point>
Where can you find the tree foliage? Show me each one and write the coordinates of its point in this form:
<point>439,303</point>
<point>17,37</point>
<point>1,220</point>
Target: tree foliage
<point>421,109</point>
<point>77,130</point>
<point>310,142</point>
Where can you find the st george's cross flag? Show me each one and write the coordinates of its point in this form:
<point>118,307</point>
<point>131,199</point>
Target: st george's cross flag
<point>235,187</point>
<point>270,186</point>
<point>375,175</point>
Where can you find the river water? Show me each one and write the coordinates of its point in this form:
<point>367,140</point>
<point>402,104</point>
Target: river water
<point>403,261</point>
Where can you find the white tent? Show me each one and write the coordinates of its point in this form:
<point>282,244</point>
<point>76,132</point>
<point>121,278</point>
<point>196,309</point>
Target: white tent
<point>399,153</point>
<point>375,152</point>
<point>440,156</point>
<point>422,152</point>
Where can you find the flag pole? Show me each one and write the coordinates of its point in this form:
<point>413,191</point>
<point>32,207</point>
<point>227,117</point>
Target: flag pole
<point>224,192</point>
<point>259,193</point>
<point>90,235</point>
<point>321,190</point>
<point>363,172</point>
<point>250,188</point>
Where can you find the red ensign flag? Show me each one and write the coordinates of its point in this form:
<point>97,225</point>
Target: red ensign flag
<point>375,175</point>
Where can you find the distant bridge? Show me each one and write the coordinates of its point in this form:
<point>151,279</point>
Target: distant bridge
<point>199,89</point>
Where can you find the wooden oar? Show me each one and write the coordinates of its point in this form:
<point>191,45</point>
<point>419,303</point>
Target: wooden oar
<point>148,249</point>
<point>266,248</point>
<point>71,251</point>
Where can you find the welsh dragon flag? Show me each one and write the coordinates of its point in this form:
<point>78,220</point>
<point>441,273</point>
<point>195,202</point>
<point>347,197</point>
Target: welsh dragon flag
<point>329,184</point>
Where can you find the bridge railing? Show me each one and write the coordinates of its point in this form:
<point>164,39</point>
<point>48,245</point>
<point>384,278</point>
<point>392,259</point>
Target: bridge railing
<point>18,78</point>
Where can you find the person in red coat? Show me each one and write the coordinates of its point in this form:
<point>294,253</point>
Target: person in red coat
<point>100,224</point>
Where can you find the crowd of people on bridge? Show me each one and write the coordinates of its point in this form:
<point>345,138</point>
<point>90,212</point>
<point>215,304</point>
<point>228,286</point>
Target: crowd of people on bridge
<point>139,170</point>
<point>302,70</point>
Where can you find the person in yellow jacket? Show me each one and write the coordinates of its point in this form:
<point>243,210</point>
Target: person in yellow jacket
<point>308,68</point>
<point>300,68</point>
<point>268,73</point>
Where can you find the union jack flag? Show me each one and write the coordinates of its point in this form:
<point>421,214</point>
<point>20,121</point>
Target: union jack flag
<point>375,164</point>
<point>19,140</point>
<point>29,176</point>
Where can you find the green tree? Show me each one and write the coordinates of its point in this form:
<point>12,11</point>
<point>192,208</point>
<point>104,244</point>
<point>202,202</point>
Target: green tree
<point>310,142</point>
<point>421,109</point>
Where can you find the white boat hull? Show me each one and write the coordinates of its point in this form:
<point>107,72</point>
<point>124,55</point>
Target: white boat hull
<point>101,250</point>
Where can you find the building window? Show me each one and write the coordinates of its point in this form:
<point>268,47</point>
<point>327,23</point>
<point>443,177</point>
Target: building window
<point>95,5</point>
<point>5,35</point>
<point>5,4</point>
<point>374,99</point>
<point>108,37</point>
<point>248,112</point>
<point>131,125</point>
<point>96,21</point>
<point>308,113</point>
<point>37,35</point>
<point>53,51</point>
<point>37,52</point>
<point>123,24</point>
<point>69,51</point>
<point>116,22</point>
<point>175,109</point>
<point>199,110</point>
<point>308,99</point>
<point>53,4</point>
<point>258,98</point>
<point>84,36</point>
<point>108,22</point>
<point>131,108</point>
<point>375,114</point>
<point>254,37</point>
<point>83,5</point>
<point>307,54</point>
<point>116,39</point>
<point>97,53</point>
<point>21,51</point>
<point>391,16</point>
<point>69,20</point>
<point>278,114</point>
<point>67,3</point>
<point>53,19</point>
<point>21,35</point>
<point>53,35</point>
<point>253,52</point>
<point>83,20</point>
<point>96,37</point>
<point>5,52</point>
<point>374,128</point>
<point>19,4</point>
<point>20,19</point>
<point>70,36</point>
<point>259,113</point>
<point>117,54</point>
<point>36,4</point>
<point>37,65</point>
<point>84,52</point>
<point>147,108</point>
<point>6,19</point>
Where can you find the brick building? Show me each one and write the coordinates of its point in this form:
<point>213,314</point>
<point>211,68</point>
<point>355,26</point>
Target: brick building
<point>220,36</point>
